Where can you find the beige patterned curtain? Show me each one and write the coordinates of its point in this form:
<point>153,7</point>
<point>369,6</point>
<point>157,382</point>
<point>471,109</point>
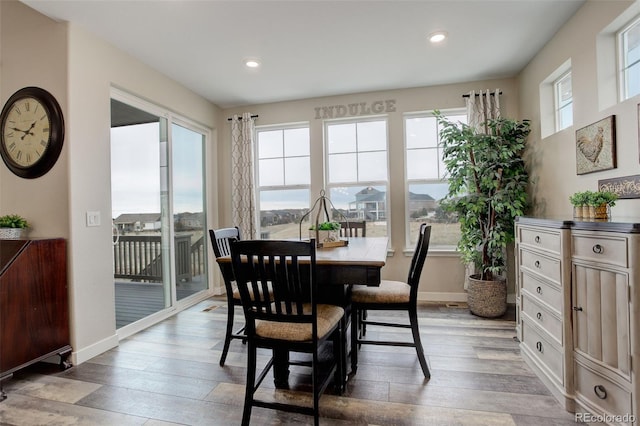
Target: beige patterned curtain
<point>481,106</point>
<point>242,186</point>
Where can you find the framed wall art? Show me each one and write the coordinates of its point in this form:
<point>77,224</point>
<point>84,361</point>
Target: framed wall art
<point>596,146</point>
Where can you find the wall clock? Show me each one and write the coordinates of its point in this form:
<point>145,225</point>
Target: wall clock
<point>32,132</point>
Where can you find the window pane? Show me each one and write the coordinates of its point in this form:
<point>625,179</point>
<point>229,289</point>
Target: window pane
<point>563,101</point>
<point>372,166</point>
<point>270,144</point>
<point>424,207</point>
<point>372,136</point>
<point>271,172</point>
<point>281,211</point>
<point>342,168</point>
<point>297,171</point>
<point>296,142</point>
<point>422,164</point>
<point>630,60</point>
<point>421,132</point>
<point>362,203</point>
<point>341,138</point>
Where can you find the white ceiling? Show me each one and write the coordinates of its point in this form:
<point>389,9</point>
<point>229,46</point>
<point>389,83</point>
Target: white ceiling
<point>312,48</point>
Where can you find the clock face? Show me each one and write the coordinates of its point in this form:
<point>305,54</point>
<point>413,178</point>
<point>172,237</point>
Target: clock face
<point>31,132</point>
<point>27,130</point>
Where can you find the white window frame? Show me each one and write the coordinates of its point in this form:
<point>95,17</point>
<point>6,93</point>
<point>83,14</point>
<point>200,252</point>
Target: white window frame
<point>329,185</point>
<point>440,180</point>
<point>284,187</point>
<point>559,106</point>
<point>623,65</point>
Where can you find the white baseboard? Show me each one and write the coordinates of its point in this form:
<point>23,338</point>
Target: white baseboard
<point>85,354</point>
<point>452,297</point>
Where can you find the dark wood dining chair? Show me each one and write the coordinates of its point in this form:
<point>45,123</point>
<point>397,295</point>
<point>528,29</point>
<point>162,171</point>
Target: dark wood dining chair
<point>391,295</point>
<point>353,229</point>
<point>220,239</point>
<point>288,319</point>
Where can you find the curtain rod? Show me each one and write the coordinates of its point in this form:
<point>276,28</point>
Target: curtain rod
<point>478,94</point>
<point>253,116</point>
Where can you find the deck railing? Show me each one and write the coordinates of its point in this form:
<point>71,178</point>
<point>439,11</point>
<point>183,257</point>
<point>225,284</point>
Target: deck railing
<point>139,258</point>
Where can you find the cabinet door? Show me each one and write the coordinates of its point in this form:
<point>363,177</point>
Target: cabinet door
<point>601,316</point>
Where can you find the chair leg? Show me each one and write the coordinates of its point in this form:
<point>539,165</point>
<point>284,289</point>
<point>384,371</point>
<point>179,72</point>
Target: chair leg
<point>413,318</point>
<point>363,324</point>
<point>250,386</point>
<point>340,356</point>
<point>229,332</point>
<point>355,323</point>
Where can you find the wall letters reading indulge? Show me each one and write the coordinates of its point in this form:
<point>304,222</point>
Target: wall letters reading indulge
<point>360,108</point>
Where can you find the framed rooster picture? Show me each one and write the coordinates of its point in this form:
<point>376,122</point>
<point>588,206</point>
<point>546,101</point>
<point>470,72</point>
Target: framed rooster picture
<point>596,146</point>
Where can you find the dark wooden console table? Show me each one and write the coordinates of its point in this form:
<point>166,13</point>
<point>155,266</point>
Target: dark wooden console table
<point>34,303</point>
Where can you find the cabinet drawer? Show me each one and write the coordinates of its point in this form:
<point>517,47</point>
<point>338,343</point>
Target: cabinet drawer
<point>548,353</point>
<point>542,239</point>
<point>543,291</point>
<point>536,314</point>
<point>603,249</point>
<point>546,266</point>
<point>600,392</point>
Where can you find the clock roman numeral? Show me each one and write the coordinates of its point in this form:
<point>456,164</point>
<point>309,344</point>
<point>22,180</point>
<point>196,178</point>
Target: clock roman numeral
<point>43,143</point>
<point>12,146</point>
<point>19,155</point>
<point>27,106</point>
<point>28,158</point>
<point>17,110</point>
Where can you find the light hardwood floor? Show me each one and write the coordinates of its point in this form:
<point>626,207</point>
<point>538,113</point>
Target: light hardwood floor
<point>169,374</point>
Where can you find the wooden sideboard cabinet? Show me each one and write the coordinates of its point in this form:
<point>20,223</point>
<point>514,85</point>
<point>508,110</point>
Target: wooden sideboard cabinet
<point>34,307</point>
<point>599,316</point>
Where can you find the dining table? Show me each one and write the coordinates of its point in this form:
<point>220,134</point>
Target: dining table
<point>358,262</point>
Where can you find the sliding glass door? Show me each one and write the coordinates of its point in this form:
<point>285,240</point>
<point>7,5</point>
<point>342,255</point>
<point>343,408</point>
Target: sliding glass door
<point>158,199</point>
<point>188,210</point>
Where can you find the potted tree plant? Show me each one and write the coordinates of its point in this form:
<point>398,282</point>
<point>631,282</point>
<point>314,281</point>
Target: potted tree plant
<point>488,190</point>
<point>13,227</point>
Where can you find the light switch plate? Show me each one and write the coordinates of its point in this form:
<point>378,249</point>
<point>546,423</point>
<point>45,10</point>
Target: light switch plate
<point>93,218</point>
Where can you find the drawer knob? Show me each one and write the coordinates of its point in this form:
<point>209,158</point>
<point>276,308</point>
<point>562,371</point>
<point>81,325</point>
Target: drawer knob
<point>537,239</point>
<point>598,249</point>
<point>539,347</point>
<point>577,308</point>
<point>537,264</point>
<point>539,315</point>
<point>539,290</point>
<point>600,391</point>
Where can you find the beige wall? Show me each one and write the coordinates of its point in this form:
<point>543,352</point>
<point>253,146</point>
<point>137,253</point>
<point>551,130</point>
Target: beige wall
<point>553,159</point>
<point>80,70</point>
<point>443,276</point>
<point>35,57</point>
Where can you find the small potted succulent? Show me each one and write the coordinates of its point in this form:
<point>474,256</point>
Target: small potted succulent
<point>325,232</point>
<point>580,204</point>
<point>13,227</point>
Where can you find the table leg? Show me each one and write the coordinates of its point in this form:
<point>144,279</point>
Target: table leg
<point>281,368</point>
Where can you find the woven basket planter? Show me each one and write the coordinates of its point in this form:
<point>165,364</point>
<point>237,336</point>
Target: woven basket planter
<point>487,299</point>
<point>13,233</point>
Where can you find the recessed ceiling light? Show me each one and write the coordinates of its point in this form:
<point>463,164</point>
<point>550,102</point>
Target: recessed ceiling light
<point>437,36</point>
<point>252,63</point>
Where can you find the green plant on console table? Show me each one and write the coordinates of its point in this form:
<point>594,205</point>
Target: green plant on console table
<point>13,221</point>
